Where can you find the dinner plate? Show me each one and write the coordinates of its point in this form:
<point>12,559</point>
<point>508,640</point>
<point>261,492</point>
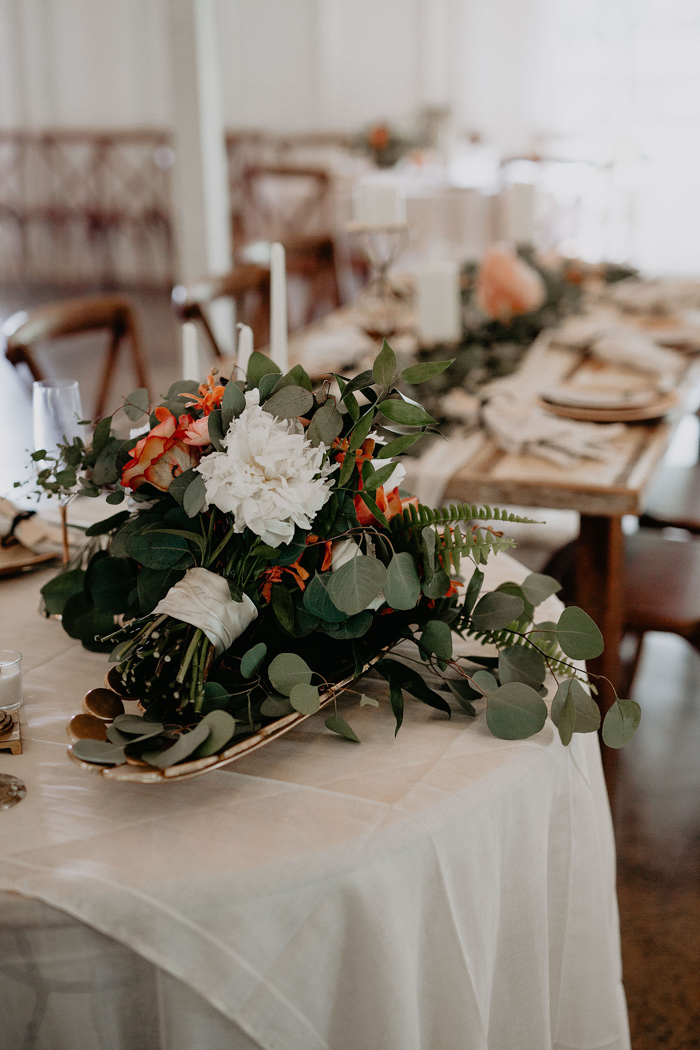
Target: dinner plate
<point>596,397</point>
<point>658,408</point>
<point>18,558</point>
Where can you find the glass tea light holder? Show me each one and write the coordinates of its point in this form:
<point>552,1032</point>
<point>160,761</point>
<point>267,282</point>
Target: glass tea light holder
<point>10,680</point>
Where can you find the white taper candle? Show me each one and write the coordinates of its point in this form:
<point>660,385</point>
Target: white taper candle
<point>278,307</point>
<point>190,352</point>
<point>245,347</point>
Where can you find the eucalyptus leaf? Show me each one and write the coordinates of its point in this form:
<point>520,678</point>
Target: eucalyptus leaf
<point>136,404</point>
<point>252,660</point>
<point>516,663</point>
<point>258,366</point>
<point>567,719</point>
<point>318,602</point>
<point>194,499</point>
<point>288,670</point>
<point>354,627</point>
<point>267,385</point>
<point>368,701</point>
<point>587,711</point>
<point>109,582</point>
<point>496,610</point>
<point>180,484</point>
<point>59,589</point>
<point>216,429</point>
<point>436,638</point>
<point>296,376</point>
<point>326,425</point>
<point>537,587</point>
<point>154,584</point>
<point>290,402</point>
<point>100,436</point>
<point>136,725</point>
<point>181,749</point>
<point>221,727</point>
<point>305,699</point>
<point>157,550</point>
<point>232,405</point>
<point>577,634</point>
<point>356,583</point>
<point>276,707</point>
<point>621,722</point>
<point>105,470</point>
<point>464,694</point>
<point>83,620</point>
<point>338,725</point>
<point>485,681</point>
<point>384,367</point>
<point>515,711</point>
<point>402,587</point>
<point>283,606</point>
<point>98,751</point>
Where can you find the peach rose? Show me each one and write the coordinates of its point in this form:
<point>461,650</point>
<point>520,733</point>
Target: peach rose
<point>506,286</point>
<point>162,454</point>
<point>197,432</point>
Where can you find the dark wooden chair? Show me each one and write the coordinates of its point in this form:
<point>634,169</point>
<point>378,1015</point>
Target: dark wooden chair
<point>662,590</point>
<point>248,285</point>
<point>294,220</point>
<point>71,317</point>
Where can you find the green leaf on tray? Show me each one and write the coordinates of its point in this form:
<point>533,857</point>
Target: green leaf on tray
<point>402,587</point>
<point>276,707</point>
<point>338,725</point>
<point>305,699</point>
<point>356,583</point>
<point>252,660</point>
<point>135,725</point>
<point>181,749</point>
<point>620,723</point>
<point>221,727</point>
<point>288,670</point>
<point>496,610</point>
<point>578,636</point>
<point>98,751</point>
<point>515,711</point>
<point>421,373</point>
<point>290,402</point>
<point>384,367</point>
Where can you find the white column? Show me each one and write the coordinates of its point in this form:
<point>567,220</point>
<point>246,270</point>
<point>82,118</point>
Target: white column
<point>201,208</point>
<point>434,30</point>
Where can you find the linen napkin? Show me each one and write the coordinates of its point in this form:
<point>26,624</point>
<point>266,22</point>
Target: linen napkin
<point>428,475</point>
<point>519,427</point>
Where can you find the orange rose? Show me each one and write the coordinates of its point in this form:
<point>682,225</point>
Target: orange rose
<point>389,504</point>
<point>507,286</point>
<point>162,454</point>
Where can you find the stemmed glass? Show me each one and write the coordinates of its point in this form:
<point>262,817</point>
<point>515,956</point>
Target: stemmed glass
<point>57,411</point>
<point>382,246</point>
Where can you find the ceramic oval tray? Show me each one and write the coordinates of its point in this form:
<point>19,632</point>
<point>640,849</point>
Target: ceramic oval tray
<point>655,410</point>
<point>102,705</point>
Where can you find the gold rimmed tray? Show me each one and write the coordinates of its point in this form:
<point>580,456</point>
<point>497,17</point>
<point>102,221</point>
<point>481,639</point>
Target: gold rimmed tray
<point>100,701</point>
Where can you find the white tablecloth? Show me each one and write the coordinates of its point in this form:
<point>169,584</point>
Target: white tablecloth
<point>441,890</point>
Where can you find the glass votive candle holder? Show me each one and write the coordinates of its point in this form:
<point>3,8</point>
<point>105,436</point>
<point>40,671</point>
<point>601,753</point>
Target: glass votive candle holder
<point>10,680</point>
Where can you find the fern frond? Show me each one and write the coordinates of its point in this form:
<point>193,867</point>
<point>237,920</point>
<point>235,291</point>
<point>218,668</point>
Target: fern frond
<point>418,517</point>
<point>455,544</point>
<point>504,638</point>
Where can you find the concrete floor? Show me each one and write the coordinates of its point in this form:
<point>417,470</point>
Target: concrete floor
<point>657,808</point>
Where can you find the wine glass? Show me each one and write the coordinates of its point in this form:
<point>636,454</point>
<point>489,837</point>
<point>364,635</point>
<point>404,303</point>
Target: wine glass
<point>57,412</point>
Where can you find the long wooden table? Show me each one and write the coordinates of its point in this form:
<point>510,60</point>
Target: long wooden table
<point>602,492</point>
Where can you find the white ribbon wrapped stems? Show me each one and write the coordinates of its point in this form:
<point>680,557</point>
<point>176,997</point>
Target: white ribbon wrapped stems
<point>203,599</point>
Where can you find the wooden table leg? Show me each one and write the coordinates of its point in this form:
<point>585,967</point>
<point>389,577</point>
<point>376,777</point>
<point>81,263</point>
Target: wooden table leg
<point>600,563</point>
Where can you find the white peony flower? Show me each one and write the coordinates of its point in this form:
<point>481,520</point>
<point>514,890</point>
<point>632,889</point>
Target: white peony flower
<point>203,599</point>
<point>270,477</point>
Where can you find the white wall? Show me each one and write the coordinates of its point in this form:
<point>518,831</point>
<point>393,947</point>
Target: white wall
<point>286,64</point>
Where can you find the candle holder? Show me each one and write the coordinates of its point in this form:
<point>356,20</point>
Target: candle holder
<point>10,680</point>
<point>382,245</point>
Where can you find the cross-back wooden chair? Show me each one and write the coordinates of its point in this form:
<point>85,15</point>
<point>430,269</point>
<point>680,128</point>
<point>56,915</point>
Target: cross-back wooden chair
<point>52,321</point>
<point>295,215</point>
<point>248,285</point>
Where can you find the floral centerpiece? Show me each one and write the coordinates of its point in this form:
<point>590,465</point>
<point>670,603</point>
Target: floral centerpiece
<point>268,552</point>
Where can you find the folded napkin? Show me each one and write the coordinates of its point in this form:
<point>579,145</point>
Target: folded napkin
<point>635,350</point>
<point>33,532</point>
<point>518,426</point>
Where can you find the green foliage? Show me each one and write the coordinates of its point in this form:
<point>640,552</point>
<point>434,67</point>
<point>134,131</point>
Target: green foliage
<point>356,583</point>
<point>290,402</point>
<point>260,365</point>
<point>496,610</point>
<point>405,413</point>
<point>577,634</point>
<point>423,372</point>
<point>326,425</point>
<point>59,589</point>
<point>384,368</point>
<point>252,659</point>
<point>288,670</point>
<point>621,722</point>
<point>515,711</point>
<point>338,725</point>
<point>232,405</point>
<point>402,587</point>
